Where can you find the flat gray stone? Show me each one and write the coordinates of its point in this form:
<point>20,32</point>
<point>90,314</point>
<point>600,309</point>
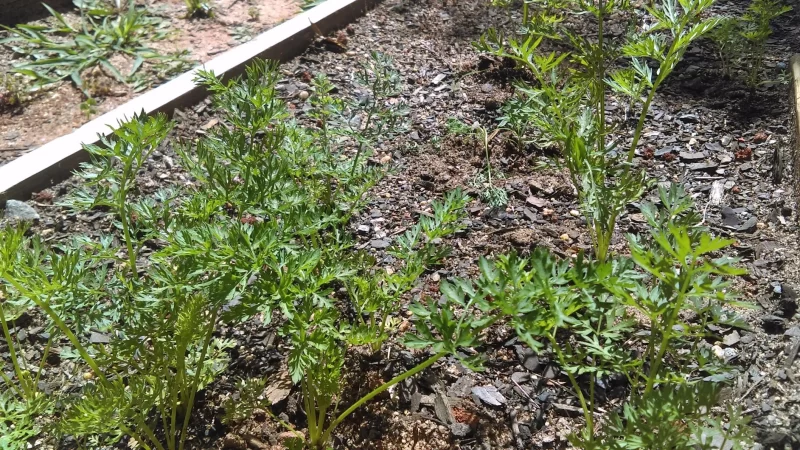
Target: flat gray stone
<point>702,166</point>
<point>794,332</point>
<point>20,212</point>
<point>459,429</point>
<point>748,226</point>
<point>379,243</point>
<point>99,338</point>
<point>692,156</point>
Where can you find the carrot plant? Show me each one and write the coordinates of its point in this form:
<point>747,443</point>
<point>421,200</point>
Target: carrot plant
<point>375,297</point>
<point>579,314</point>
<point>261,230</point>
<point>741,41</point>
<point>566,104</point>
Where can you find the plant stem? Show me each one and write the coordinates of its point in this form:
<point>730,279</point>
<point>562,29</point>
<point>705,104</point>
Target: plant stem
<point>687,274</point>
<point>44,305</point>
<point>311,416</point>
<point>407,374</point>
<point>125,429</point>
<point>601,74</point>
<point>45,354</point>
<point>361,143</point>
<point>147,431</point>
<point>525,13</point>
<point>640,125</point>
<point>124,217</point>
<point>198,374</point>
<point>179,379</point>
<point>588,413</point>
<point>280,421</point>
<point>13,354</point>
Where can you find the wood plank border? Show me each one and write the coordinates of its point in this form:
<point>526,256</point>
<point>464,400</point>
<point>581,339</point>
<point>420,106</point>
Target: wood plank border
<point>56,160</point>
<point>794,63</point>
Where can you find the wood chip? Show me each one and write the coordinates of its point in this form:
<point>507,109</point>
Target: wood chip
<point>717,191</point>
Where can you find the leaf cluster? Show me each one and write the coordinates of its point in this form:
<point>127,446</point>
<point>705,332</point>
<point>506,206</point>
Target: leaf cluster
<point>198,8</point>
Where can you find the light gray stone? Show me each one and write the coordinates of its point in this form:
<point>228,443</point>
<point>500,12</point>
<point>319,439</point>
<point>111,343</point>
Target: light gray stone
<point>20,212</point>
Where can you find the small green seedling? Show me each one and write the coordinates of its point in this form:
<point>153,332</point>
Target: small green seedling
<point>741,41</point>
<point>198,8</point>
<point>492,195</point>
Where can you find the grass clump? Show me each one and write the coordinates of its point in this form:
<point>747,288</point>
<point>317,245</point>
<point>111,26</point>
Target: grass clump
<point>72,50</point>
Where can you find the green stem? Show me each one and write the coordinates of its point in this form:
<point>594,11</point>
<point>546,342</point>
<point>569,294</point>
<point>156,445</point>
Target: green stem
<point>59,324</point>
<point>667,328</point>
<point>407,374</point>
<point>601,74</point>
<point>198,374</point>
<point>45,353</point>
<point>181,354</point>
<point>640,125</point>
<point>13,354</point>
<point>361,143</point>
<point>311,415</point>
<point>377,345</point>
<point>124,217</point>
<point>525,13</point>
<point>140,423</point>
<point>281,422</point>
<point>588,413</point>
<point>323,410</point>
<point>125,429</point>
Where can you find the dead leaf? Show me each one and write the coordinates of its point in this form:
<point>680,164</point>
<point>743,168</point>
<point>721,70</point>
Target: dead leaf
<point>489,395</point>
<point>536,202</point>
<point>279,388</point>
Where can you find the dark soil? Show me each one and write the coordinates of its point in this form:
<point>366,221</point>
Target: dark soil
<point>742,137</point>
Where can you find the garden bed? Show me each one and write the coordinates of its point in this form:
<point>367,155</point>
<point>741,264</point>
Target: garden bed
<point>60,108</point>
<point>717,139</point>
